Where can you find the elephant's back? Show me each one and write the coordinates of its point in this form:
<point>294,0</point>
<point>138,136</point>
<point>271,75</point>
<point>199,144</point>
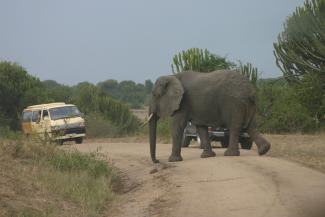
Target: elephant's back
<point>220,82</point>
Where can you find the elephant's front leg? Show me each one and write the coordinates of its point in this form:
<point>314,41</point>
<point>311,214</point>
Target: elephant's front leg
<point>205,142</point>
<point>178,124</point>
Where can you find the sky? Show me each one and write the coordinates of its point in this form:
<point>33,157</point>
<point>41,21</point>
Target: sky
<point>72,41</point>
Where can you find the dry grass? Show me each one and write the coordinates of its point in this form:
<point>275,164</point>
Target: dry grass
<point>38,179</point>
<point>308,150</point>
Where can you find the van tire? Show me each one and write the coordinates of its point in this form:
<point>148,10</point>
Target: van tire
<point>79,140</point>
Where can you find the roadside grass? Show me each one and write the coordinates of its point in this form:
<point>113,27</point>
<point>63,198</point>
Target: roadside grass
<point>38,179</point>
<point>308,150</point>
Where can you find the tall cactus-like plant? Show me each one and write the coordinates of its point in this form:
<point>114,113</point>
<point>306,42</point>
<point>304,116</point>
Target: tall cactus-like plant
<point>300,49</point>
<point>249,71</point>
<point>300,54</point>
<point>195,59</point>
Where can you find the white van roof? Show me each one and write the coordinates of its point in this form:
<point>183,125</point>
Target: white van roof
<point>47,106</point>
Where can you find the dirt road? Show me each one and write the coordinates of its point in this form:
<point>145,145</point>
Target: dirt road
<point>248,185</point>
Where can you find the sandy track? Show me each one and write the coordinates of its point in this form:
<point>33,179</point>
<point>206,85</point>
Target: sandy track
<point>248,185</point>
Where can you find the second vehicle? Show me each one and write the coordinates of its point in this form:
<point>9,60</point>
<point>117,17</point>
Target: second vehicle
<point>215,134</point>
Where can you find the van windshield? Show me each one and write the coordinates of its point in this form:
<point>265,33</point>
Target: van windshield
<point>64,112</point>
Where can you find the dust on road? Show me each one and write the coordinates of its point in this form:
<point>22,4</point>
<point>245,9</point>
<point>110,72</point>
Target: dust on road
<point>248,185</point>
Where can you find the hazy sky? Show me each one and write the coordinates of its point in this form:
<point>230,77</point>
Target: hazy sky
<point>77,40</point>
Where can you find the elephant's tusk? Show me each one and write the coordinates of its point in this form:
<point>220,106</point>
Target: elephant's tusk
<point>146,122</point>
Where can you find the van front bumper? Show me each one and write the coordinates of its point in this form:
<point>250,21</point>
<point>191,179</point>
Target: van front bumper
<point>69,133</point>
<point>68,136</point>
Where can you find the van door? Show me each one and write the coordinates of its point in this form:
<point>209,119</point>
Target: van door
<point>26,122</point>
<point>36,122</point>
<point>45,122</point>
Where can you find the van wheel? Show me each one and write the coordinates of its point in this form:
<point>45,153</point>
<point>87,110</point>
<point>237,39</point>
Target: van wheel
<point>79,140</point>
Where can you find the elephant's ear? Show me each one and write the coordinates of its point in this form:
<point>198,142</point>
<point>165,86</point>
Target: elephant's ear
<point>172,96</point>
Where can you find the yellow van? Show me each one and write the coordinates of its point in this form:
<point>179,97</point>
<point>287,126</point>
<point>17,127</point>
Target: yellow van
<point>58,121</point>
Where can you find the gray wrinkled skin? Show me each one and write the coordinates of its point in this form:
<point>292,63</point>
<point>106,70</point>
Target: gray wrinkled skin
<point>220,99</point>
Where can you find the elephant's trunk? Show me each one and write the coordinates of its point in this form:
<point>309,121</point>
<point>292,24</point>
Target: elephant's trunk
<point>152,135</point>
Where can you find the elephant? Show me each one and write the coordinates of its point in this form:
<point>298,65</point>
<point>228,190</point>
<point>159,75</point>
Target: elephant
<point>222,98</point>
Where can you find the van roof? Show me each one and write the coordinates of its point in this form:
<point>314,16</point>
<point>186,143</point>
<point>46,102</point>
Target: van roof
<point>47,106</point>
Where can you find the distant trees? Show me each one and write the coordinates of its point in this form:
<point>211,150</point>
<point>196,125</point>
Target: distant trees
<point>300,54</point>
<point>129,92</point>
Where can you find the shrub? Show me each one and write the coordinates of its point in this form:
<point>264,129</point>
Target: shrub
<point>279,109</point>
<point>98,126</point>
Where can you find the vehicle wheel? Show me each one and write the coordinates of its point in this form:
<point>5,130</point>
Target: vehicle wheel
<point>79,140</point>
<point>225,142</point>
<point>246,143</point>
<point>186,141</point>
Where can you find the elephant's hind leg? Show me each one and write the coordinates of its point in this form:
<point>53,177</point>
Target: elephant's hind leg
<point>205,142</point>
<point>233,148</point>
<point>234,129</point>
<point>263,146</point>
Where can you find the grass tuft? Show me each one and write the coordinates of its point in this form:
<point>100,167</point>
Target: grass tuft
<point>83,183</point>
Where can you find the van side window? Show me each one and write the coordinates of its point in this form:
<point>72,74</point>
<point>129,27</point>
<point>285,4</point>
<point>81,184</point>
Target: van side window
<point>45,113</point>
<point>36,116</point>
<point>27,116</point>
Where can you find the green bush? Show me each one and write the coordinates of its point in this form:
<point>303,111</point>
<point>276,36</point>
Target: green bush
<point>75,162</point>
<point>98,126</point>
<point>279,109</point>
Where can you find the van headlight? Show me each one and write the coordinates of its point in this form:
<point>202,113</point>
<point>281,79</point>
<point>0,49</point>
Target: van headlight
<point>82,124</point>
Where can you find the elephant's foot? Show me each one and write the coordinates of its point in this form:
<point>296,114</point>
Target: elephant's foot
<point>263,149</point>
<point>201,146</point>
<point>209,153</point>
<point>232,152</point>
<point>174,158</point>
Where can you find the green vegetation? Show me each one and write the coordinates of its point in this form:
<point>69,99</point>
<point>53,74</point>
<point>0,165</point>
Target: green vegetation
<point>300,54</point>
<point>249,71</point>
<point>279,109</point>
<point>135,95</point>
<point>25,90</point>
<point>195,59</point>
<point>17,90</point>
<point>63,183</point>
